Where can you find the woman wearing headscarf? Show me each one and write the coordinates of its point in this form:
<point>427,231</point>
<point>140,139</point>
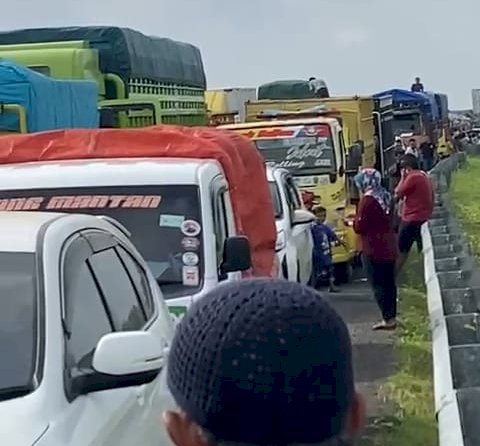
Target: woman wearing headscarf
<point>374,223</point>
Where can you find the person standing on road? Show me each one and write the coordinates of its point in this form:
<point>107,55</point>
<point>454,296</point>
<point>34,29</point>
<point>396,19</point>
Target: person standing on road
<point>323,238</point>
<point>263,362</point>
<point>374,223</point>
<point>416,191</point>
<point>412,148</point>
<point>427,151</point>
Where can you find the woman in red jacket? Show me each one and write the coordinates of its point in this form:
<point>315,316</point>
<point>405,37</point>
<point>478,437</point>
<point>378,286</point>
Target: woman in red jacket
<point>374,224</point>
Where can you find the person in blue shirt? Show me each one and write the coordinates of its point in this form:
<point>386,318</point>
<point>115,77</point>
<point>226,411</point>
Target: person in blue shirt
<point>323,238</point>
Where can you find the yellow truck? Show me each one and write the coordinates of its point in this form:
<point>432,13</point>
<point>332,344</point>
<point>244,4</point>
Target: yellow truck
<point>323,142</point>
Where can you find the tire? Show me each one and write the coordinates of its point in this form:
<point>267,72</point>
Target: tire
<point>343,273</point>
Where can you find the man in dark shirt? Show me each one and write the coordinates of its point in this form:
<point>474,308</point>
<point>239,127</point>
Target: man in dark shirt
<point>417,86</point>
<point>427,152</point>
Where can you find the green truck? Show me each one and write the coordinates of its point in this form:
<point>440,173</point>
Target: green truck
<point>142,80</point>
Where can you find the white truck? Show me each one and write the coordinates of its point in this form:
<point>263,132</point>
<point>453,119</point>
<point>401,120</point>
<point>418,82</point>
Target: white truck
<point>179,212</point>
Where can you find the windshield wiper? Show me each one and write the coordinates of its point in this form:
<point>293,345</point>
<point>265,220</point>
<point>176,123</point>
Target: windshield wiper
<point>10,393</point>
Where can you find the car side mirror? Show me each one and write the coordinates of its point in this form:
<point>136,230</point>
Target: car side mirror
<point>122,359</point>
<point>302,217</point>
<point>236,255</point>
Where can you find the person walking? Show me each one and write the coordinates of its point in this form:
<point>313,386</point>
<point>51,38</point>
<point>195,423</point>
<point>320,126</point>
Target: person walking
<point>263,362</point>
<point>416,192</point>
<point>374,223</point>
<point>323,238</point>
<point>427,152</point>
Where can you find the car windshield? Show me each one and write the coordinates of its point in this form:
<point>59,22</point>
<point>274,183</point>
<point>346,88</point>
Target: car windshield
<point>164,222</point>
<point>277,204</point>
<point>18,324</point>
<point>300,149</point>
<point>409,123</point>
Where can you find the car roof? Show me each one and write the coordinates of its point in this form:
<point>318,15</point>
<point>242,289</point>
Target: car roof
<point>102,172</point>
<point>19,231</point>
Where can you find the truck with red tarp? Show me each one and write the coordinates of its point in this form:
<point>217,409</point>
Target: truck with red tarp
<point>195,200</point>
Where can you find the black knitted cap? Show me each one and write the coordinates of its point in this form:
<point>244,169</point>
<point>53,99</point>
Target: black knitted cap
<point>263,362</point>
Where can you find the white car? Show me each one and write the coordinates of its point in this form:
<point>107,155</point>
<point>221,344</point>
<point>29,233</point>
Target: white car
<point>84,335</point>
<point>294,237</point>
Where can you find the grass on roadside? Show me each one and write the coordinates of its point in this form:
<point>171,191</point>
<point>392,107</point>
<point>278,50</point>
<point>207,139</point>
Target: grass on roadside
<point>465,194</point>
<point>410,390</point>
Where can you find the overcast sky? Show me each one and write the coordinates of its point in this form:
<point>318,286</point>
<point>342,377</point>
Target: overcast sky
<point>357,46</point>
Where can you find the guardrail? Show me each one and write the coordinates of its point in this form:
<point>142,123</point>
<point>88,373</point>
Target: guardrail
<point>453,292</point>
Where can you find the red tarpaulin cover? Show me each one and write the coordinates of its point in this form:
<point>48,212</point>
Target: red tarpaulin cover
<point>243,166</point>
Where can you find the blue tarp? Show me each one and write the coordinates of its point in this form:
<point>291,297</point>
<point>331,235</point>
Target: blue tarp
<point>50,104</point>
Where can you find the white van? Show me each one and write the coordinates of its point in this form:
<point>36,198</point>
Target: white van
<point>178,212</point>
<point>294,245</point>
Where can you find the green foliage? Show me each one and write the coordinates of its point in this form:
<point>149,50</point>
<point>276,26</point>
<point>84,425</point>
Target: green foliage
<point>465,195</point>
<point>410,390</point>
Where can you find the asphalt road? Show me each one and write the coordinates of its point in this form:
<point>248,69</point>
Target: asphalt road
<point>374,360</point>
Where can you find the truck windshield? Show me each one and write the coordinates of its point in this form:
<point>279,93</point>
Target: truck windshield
<point>406,123</point>
<point>18,324</point>
<point>300,149</point>
<point>164,221</point>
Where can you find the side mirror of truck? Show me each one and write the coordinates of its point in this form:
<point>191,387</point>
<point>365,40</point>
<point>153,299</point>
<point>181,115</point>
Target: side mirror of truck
<point>236,255</point>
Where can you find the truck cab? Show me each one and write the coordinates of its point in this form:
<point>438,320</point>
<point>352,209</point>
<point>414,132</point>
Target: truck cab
<point>178,213</point>
<point>312,149</point>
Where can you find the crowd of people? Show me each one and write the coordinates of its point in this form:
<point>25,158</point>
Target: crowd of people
<point>388,225</point>
<point>266,362</point>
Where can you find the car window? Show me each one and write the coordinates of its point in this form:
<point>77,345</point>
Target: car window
<point>277,202</point>
<point>292,192</point>
<point>87,319</point>
<point>221,225</point>
<point>19,331</point>
<point>118,290</point>
<point>139,279</point>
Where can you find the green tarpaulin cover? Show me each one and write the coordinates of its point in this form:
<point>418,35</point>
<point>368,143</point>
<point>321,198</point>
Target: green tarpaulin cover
<point>127,53</point>
<point>294,89</point>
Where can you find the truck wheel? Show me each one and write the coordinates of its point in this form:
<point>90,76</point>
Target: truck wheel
<point>343,273</point>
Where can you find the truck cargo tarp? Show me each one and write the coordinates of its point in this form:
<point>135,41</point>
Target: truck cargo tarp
<point>125,52</point>
<point>50,104</point>
<point>295,89</point>
<point>243,165</point>
<point>404,97</point>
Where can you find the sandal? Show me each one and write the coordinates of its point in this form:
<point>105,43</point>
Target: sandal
<point>385,326</point>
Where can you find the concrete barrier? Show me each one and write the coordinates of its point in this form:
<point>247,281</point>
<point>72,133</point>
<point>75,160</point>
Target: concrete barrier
<point>453,291</point>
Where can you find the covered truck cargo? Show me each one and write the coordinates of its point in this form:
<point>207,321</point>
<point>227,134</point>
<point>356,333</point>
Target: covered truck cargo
<point>402,98</point>
<point>125,52</point>
<point>243,165</point>
<point>50,104</point>
<point>291,89</point>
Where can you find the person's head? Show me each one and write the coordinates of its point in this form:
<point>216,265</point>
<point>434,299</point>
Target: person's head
<point>412,143</point>
<point>409,162</point>
<point>262,363</point>
<point>417,80</point>
<point>368,179</point>
<point>321,213</point>
<point>311,79</point>
<point>309,200</point>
